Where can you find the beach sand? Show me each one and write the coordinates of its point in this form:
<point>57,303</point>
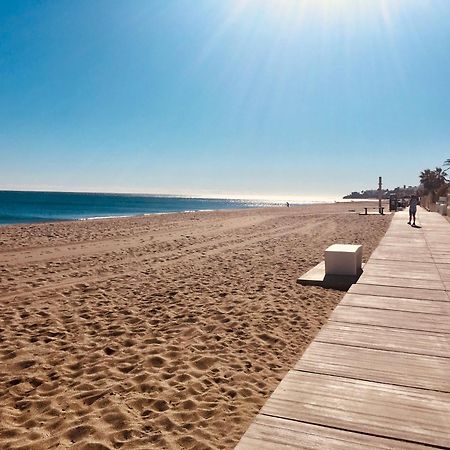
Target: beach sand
<point>166,331</point>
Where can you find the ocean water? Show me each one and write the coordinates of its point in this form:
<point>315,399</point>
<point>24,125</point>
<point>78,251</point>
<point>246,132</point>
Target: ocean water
<point>18,207</point>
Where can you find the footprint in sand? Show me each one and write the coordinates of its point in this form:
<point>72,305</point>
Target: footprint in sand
<point>156,361</point>
<point>78,433</point>
<point>204,363</point>
<point>116,419</point>
<point>160,406</point>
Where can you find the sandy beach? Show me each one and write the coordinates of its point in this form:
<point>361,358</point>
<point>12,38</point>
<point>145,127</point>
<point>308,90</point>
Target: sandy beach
<point>165,331</point>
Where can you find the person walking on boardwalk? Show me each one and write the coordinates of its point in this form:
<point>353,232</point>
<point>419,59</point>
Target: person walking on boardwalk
<point>413,209</point>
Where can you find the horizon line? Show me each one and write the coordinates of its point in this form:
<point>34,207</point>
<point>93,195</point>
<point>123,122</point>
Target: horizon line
<point>220,196</point>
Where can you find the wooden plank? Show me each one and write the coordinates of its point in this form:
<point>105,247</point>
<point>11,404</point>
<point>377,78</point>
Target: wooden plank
<point>404,369</point>
<point>404,292</point>
<point>382,338</point>
<point>411,274</point>
<point>420,266</point>
<point>361,406</point>
<point>405,245</point>
<point>441,259</point>
<point>392,319</point>
<point>439,247</point>
<point>382,254</point>
<point>444,272</point>
<point>405,250</point>
<point>418,243</point>
<point>271,433</point>
<point>401,282</point>
<point>397,304</point>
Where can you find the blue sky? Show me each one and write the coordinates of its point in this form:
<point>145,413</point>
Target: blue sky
<point>280,98</point>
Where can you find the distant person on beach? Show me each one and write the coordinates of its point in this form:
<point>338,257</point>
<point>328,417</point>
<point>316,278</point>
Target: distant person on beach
<point>287,204</point>
<point>413,209</point>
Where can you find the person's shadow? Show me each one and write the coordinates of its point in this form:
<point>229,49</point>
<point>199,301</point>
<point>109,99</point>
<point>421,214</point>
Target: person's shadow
<point>416,226</point>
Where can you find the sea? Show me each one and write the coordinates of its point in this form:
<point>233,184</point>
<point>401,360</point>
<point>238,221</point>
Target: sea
<point>23,207</point>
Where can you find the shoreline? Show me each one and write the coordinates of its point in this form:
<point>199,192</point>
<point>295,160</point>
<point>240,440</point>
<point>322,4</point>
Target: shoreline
<point>22,207</point>
<point>141,215</point>
<point>162,331</point>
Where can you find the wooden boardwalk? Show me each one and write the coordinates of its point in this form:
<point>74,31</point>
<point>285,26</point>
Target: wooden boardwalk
<point>378,373</point>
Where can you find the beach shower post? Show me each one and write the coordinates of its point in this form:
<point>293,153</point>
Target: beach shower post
<point>380,184</point>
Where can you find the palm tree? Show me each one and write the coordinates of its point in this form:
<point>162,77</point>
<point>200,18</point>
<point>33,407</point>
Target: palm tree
<point>434,181</point>
<point>447,163</point>
<point>443,190</point>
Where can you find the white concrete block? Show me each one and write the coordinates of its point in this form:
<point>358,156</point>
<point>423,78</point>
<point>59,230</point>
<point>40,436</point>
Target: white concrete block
<point>343,259</point>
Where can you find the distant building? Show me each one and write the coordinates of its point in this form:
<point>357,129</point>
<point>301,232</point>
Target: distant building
<point>373,193</point>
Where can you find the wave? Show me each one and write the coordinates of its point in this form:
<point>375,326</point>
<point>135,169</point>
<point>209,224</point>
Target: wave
<point>104,217</point>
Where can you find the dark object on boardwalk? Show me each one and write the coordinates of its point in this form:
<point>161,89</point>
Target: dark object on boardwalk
<point>393,202</point>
